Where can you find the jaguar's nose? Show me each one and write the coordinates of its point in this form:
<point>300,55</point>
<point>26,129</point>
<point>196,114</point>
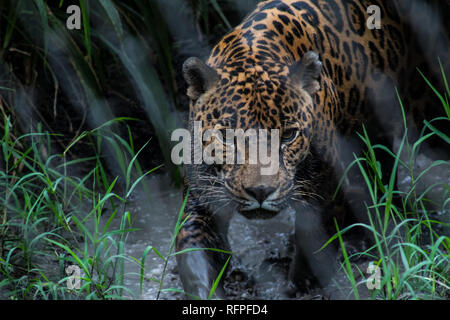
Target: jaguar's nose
<point>260,193</point>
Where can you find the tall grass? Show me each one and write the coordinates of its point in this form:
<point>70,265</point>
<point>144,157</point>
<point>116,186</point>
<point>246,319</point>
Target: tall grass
<point>411,244</point>
<point>52,218</point>
<point>56,189</point>
<point>135,38</point>
<point>52,215</point>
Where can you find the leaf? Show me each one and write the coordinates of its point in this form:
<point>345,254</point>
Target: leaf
<point>220,12</point>
<point>77,259</point>
<point>216,282</point>
<point>139,180</point>
<point>113,16</point>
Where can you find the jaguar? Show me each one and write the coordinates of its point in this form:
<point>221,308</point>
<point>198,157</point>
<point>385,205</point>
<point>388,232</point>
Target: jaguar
<point>314,71</point>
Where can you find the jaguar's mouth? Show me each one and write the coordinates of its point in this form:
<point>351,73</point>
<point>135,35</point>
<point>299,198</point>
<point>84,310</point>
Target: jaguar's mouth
<point>257,213</point>
<point>256,210</point>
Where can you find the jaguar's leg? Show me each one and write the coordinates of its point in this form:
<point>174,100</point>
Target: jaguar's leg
<point>310,236</point>
<point>199,269</point>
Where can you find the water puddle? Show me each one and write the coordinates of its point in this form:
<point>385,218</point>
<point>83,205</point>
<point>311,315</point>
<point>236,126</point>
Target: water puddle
<point>154,212</point>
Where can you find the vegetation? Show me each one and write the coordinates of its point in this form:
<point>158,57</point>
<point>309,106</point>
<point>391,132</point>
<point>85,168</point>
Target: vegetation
<point>52,217</point>
<point>122,62</point>
<point>409,225</point>
<point>79,108</point>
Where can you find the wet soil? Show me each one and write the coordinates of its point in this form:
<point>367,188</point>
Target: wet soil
<point>262,251</point>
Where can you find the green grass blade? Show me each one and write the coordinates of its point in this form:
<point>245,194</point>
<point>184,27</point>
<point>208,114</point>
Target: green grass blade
<point>216,282</point>
<point>113,16</point>
<point>220,12</point>
<point>348,266</point>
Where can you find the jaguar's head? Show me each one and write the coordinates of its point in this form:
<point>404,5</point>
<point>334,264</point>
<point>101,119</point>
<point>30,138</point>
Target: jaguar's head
<point>244,103</point>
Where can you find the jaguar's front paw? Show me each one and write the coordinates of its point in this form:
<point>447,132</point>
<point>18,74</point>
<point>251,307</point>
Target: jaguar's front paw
<point>198,272</point>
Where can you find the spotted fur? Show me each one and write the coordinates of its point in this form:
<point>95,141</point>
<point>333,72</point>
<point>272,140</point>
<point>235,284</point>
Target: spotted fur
<point>311,69</point>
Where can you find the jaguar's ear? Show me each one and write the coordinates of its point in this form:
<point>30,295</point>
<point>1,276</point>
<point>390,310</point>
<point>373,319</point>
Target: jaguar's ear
<point>199,77</point>
<point>306,72</point>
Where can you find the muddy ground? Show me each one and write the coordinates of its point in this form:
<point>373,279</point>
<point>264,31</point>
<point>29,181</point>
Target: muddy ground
<point>262,251</point>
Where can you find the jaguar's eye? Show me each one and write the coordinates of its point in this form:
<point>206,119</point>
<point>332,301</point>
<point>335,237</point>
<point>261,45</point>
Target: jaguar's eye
<point>289,135</point>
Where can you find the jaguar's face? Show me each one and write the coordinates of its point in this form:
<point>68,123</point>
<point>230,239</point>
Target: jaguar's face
<point>259,130</point>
